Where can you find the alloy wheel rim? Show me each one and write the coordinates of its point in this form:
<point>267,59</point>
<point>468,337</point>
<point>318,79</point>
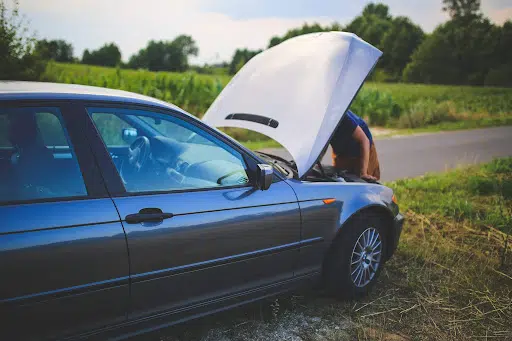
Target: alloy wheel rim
<point>366,256</point>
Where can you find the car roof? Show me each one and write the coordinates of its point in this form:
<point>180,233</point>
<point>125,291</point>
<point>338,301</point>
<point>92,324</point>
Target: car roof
<point>19,90</point>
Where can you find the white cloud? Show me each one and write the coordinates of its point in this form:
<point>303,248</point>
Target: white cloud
<point>131,23</point>
<point>499,16</point>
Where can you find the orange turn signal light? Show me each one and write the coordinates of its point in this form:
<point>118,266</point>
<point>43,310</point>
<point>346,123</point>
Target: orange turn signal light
<point>393,198</point>
<point>328,201</point>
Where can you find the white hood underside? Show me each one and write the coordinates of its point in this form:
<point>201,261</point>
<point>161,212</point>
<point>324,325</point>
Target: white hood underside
<point>297,92</point>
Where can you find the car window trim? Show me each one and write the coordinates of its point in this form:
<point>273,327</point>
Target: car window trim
<point>85,159</point>
<point>112,172</point>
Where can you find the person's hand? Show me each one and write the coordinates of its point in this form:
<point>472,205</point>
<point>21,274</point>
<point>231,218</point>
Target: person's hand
<point>368,177</point>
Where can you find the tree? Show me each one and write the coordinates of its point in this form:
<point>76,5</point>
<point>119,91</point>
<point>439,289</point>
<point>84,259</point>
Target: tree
<point>57,50</point>
<point>239,59</point>
<point>107,55</point>
<point>398,43</point>
<point>17,59</point>
<point>455,53</point>
<point>372,24</point>
<point>501,72</point>
<point>463,50</point>
<point>305,29</point>
<point>165,55</point>
<point>462,8</point>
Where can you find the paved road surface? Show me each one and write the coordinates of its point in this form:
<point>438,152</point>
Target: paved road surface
<point>410,156</point>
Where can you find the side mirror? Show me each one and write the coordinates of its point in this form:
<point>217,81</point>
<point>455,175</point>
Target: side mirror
<point>129,135</point>
<point>264,177</point>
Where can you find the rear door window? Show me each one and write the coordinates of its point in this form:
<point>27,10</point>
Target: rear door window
<point>37,160</point>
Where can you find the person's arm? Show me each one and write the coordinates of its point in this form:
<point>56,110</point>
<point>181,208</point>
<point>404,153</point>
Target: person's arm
<point>364,144</point>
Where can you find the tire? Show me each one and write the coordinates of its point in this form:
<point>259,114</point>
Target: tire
<point>348,275</point>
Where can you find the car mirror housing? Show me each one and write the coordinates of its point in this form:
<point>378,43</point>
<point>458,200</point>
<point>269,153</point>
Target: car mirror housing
<point>264,177</point>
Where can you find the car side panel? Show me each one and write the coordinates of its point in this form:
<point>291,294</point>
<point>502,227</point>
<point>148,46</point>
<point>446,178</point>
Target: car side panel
<point>64,267</point>
<point>320,220</point>
<point>218,242</point>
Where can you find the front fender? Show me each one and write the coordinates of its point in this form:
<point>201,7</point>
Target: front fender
<point>321,221</point>
<point>351,198</point>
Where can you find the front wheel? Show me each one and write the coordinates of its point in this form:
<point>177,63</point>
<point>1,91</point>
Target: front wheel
<point>356,258</point>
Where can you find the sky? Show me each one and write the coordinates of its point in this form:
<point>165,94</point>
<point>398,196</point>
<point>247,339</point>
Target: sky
<point>219,27</point>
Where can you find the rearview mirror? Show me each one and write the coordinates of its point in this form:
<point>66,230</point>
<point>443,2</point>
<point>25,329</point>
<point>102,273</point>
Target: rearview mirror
<point>264,177</point>
<point>129,135</point>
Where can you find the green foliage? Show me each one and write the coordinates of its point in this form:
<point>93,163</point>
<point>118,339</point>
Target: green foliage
<point>466,100</point>
<point>17,58</point>
<point>239,59</point>
<point>479,194</point>
<point>107,55</point>
<point>165,55</point>
<point>397,37</point>
<point>500,73</point>
<point>372,24</point>
<point>56,50</point>
<point>461,8</point>
<point>427,112</point>
<point>398,43</point>
<point>499,76</point>
<point>191,91</point>
<point>305,29</point>
<point>468,49</point>
<point>383,104</point>
<point>499,166</point>
<point>483,185</point>
<point>377,106</point>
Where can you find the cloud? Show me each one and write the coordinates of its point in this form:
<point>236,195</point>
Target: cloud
<point>132,23</point>
<point>218,26</point>
<point>499,16</point>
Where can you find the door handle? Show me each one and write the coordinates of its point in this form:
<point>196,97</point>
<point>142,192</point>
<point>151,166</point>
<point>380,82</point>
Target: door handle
<point>147,215</point>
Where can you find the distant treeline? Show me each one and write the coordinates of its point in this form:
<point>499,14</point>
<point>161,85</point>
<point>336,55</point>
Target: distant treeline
<point>467,49</point>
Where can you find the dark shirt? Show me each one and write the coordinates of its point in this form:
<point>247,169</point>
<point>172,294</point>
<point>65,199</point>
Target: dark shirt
<point>342,142</point>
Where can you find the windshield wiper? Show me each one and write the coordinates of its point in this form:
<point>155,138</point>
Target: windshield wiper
<point>276,157</point>
<point>273,160</point>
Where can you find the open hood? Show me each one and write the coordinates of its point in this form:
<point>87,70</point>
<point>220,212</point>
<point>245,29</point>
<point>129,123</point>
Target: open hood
<point>297,92</point>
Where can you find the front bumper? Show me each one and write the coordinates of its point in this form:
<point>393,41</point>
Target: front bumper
<point>398,224</point>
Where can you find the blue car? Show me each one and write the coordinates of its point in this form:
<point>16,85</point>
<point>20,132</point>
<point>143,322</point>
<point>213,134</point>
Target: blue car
<point>122,214</point>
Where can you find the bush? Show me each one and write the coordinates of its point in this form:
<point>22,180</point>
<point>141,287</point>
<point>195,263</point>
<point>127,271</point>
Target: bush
<point>500,166</point>
<point>427,112</point>
<point>506,189</point>
<point>483,185</point>
<point>17,58</point>
<point>378,106</point>
<point>500,76</point>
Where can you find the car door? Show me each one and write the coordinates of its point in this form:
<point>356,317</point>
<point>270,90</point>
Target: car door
<point>63,254</point>
<point>197,228</point>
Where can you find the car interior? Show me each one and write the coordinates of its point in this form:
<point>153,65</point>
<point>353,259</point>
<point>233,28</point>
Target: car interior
<point>152,154</point>
<point>35,158</point>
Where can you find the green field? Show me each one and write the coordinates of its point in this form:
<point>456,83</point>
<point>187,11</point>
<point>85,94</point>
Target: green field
<point>397,106</point>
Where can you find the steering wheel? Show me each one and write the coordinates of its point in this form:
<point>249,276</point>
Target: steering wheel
<point>138,153</point>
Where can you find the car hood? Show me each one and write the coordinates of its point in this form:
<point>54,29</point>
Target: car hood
<point>297,92</point>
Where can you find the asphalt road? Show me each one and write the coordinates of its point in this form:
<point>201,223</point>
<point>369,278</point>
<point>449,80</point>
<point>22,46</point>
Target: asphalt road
<point>415,155</point>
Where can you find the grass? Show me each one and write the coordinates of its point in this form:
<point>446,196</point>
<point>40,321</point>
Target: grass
<point>451,278</point>
<point>409,107</point>
<point>261,144</point>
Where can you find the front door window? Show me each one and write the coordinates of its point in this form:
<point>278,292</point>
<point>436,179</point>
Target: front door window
<point>154,152</point>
